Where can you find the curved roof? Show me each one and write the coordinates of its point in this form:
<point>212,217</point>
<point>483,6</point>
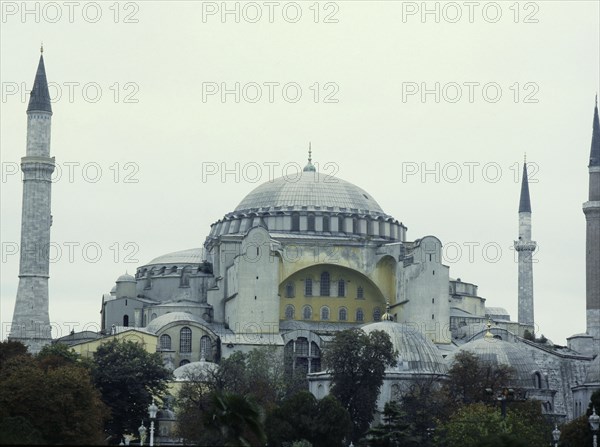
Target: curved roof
<point>189,256</point>
<point>309,189</point>
<point>193,370</point>
<point>499,352</point>
<point>593,371</point>
<point>158,323</point>
<point>415,351</point>
<point>125,278</point>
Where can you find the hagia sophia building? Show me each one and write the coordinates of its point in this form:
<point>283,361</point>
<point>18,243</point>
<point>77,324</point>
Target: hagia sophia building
<point>298,260</point>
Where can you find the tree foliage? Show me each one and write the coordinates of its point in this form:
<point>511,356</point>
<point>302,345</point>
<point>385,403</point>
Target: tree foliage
<point>578,432</point>
<point>127,377</point>
<point>51,403</point>
<point>357,363</point>
<point>469,378</point>
<point>322,423</point>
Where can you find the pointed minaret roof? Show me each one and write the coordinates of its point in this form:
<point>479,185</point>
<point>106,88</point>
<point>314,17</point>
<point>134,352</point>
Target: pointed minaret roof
<point>595,150</point>
<point>309,166</point>
<point>39,100</point>
<point>524,202</point>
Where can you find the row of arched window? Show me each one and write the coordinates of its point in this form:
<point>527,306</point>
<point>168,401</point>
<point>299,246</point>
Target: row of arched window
<point>346,226</point>
<point>302,355</point>
<point>324,287</point>
<point>185,342</point>
<point>325,314</point>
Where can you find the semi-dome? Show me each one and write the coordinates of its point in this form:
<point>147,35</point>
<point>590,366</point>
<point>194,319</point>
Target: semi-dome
<point>309,189</point>
<point>160,322</point>
<point>416,353</point>
<point>189,256</point>
<point>498,352</point>
<point>593,371</point>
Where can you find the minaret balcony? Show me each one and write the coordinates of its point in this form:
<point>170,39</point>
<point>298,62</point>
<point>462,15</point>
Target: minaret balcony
<point>525,245</point>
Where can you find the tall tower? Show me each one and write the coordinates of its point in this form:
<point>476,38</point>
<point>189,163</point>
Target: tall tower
<point>525,248</point>
<point>591,209</point>
<point>31,323</point>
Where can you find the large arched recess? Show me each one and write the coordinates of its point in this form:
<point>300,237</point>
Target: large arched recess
<point>292,292</point>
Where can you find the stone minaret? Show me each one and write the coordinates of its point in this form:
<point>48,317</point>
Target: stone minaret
<point>31,323</point>
<point>591,209</point>
<point>525,247</point>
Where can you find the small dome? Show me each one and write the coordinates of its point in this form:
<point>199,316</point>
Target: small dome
<point>113,290</point>
<point>160,322</point>
<point>499,352</point>
<point>416,353</point>
<point>189,256</point>
<point>194,370</point>
<point>125,278</point>
<point>593,371</point>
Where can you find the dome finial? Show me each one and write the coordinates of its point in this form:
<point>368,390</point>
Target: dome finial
<point>387,316</point>
<point>488,333</point>
<point>309,166</point>
<point>42,47</point>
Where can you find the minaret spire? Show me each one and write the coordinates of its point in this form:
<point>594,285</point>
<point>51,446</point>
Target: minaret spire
<point>525,202</point>
<point>525,248</point>
<point>31,322</point>
<point>591,209</point>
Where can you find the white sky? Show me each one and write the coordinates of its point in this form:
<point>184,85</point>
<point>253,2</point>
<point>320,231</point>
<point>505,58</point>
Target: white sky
<point>370,56</point>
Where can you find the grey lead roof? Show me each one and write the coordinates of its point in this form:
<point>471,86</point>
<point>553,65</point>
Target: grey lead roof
<point>39,100</point>
<point>309,189</point>
<point>524,202</point>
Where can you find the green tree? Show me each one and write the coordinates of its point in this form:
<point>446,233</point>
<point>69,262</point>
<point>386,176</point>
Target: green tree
<point>128,377</point>
<point>323,423</point>
<point>53,404</point>
<point>578,432</point>
<point>478,424</point>
<point>357,363</point>
<point>469,378</point>
<point>394,431</point>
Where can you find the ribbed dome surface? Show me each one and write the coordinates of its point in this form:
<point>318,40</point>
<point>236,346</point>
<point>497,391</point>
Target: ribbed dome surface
<point>499,352</point>
<point>312,190</point>
<point>158,323</point>
<point>416,352</point>
<point>189,256</point>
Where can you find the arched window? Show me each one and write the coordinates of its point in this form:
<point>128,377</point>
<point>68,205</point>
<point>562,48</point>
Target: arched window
<point>360,293</point>
<point>301,346</point>
<point>360,315</point>
<point>308,287</point>
<point>395,392</point>
<point>326,223</point>
<point>307,312</point>
<point>342,314</point>
<point>153,316</point>
<point>173,269</point>
<point>289,290</point>
<point>324,284</point>
<point>341,287</point>
<point>311,222</point>
<point>184,362</point>
<point>185,277</point>
<point>185,340</point>
<point>324,313</point>
<point>289,312</point>
<point>295,222</point>
<point>315,351</point>
<point>205,347</point>
<point>537,380</point>
<point>381,228</point>
<point>126,320</point>
<point>165,342</point>
<point>354,225</point>
<point>377,314</point>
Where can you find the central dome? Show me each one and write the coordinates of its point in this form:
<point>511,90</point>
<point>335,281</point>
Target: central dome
<point>310,189</point>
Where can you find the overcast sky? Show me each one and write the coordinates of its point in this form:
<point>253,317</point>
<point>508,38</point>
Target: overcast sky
<point>140,115</point>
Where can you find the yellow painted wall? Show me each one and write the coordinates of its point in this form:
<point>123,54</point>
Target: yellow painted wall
<point>148,341</point>
<point>373,297</point>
